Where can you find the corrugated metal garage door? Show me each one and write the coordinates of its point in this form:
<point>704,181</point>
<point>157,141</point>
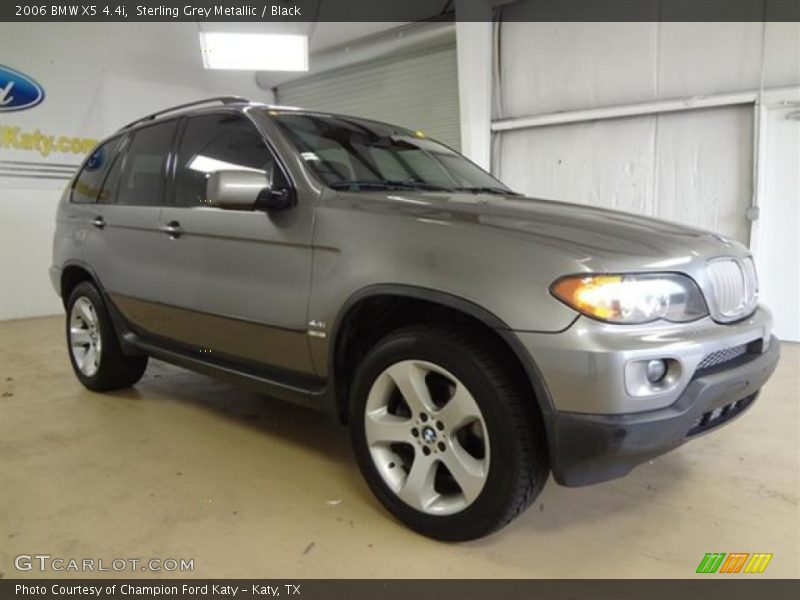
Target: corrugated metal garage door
<point>418,91</point>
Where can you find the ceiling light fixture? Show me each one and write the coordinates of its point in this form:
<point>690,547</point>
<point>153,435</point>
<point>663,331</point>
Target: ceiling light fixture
<point>254,51</point>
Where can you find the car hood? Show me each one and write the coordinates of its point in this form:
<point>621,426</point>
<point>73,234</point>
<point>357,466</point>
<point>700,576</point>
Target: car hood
<point>599,239</point>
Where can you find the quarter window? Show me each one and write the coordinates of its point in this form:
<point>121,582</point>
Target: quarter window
<point>86,189</point>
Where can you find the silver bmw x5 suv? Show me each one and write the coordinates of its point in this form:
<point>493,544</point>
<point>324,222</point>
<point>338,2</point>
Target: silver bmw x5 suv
<point>473,339</point>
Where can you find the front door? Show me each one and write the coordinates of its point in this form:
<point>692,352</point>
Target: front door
<point>238,279</point>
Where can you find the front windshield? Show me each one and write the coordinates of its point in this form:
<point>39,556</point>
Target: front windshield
<point>356,154</point>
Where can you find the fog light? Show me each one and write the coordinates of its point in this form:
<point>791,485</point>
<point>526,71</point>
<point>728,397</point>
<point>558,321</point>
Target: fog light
<point>656,370</point>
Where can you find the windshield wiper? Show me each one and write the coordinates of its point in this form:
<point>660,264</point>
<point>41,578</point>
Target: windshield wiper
<point>388,184</point>
<point>487,190</point>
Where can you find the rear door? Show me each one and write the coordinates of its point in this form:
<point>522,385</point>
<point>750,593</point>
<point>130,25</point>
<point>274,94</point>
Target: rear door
<point>124,247</point>
<point>84,218</point>
<point>238,279</point>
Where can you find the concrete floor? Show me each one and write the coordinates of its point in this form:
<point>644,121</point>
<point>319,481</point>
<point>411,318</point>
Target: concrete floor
<point>183,466</point>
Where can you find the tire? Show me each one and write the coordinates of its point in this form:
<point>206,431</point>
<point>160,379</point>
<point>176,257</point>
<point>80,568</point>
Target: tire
<point>89,329</point>
<point>476,438</point>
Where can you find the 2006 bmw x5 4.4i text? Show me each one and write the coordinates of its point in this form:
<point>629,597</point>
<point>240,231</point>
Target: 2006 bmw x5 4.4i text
<point>473,339</point>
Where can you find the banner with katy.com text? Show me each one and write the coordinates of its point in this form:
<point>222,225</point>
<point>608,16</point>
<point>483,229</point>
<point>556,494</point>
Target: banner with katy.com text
<point>48,123</point>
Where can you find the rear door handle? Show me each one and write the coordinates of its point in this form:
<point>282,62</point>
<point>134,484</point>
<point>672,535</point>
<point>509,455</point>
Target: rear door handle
<point>99,222</point>
<point>173,229</point>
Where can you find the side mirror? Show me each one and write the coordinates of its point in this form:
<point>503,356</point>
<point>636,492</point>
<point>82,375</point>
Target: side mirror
<point>273,200</point>
<point>245,190</point>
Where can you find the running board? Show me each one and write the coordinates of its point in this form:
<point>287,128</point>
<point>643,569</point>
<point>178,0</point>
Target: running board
<point>315,397</point>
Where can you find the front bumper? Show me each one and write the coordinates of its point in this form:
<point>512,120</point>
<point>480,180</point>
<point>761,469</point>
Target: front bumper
<point>587,368</point>
<point>590,448</point>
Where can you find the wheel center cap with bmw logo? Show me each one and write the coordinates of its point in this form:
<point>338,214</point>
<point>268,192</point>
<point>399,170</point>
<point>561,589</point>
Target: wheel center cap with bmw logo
<point>429,435</point>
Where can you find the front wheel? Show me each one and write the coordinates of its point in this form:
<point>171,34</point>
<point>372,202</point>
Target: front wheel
<point>444,436</point>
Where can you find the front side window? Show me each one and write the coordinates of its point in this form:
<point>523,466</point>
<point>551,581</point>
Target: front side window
<point>219,142</point>
<point>141,177</point>
<point>89,181</point>
<point>356,154</point>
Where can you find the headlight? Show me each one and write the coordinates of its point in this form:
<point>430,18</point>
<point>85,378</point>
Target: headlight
<point>639,298</point>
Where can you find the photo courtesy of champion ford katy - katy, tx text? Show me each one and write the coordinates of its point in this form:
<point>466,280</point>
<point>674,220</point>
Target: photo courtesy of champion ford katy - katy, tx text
<point>414,299</point>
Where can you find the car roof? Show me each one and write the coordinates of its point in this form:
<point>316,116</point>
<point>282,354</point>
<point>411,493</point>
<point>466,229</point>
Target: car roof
<point>235,102</point>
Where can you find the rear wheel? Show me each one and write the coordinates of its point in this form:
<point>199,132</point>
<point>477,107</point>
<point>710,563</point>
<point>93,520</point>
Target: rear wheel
<point>94,349</point>
<point>443,434</point>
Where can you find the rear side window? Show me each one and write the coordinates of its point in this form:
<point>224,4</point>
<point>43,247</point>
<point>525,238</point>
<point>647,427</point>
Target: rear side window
<point>90,179</point>
<point>141,177</point>
<point>219,142</point>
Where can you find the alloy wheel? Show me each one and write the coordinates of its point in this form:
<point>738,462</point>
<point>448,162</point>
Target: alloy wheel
<point>427,437</point>
<point>85,341</point>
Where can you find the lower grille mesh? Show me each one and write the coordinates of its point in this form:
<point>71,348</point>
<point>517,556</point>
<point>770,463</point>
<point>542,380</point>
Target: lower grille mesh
<point>722,356</point>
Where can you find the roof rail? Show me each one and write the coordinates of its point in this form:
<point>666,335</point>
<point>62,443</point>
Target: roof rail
<point>221,99</point>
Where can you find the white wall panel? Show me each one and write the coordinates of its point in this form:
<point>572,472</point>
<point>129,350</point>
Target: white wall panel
<point>604,163</point>
<point>693,168</point>
<point>704,169</point>
<point>96,77</point>
<point>782,54</point>
<point>549,67</point>
<point>27,223</point>
<point>778,230</point>
<point>474,50</point>
<point>706,58</point>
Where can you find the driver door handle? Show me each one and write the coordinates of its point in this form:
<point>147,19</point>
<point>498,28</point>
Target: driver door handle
<point>99,222</point>
<point>173,229</point>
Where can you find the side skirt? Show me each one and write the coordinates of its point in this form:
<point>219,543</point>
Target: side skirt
<point>304,392</point>
<point>314,396</point>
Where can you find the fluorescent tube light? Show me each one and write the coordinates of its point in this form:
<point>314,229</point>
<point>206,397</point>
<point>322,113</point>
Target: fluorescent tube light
<point>254,51</point>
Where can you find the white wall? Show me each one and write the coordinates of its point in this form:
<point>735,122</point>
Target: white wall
<point>549,67</point>
<point>777,234</point>
<point>96,77</point>
<point>695,166</point>
<point>474,46</point>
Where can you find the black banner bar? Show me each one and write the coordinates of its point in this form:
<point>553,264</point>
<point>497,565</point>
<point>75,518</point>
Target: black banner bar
<point>396,10</point>
<point>716,586</point>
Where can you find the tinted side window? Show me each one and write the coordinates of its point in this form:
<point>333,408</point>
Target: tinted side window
<point>142,178</point>
<point>218,142</point>
<point>108,194</point>
<point>90,179</point>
